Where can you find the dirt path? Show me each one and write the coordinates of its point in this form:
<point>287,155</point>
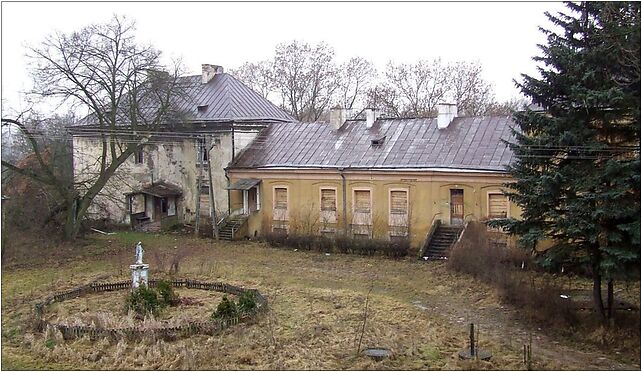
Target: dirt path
<point>503,325</point>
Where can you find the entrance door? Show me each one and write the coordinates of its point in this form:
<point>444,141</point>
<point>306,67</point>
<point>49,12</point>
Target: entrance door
<point>252,200</point>
<point>456,207</point>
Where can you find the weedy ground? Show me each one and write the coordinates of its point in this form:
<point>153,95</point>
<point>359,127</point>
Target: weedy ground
<point>419,310</point>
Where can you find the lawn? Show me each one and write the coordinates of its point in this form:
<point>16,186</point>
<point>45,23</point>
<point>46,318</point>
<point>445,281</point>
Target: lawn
<point>419,310</point>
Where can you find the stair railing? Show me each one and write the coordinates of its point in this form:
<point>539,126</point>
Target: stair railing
<point>237,225</point>
<point>434,224</point>
<point>224,216</point>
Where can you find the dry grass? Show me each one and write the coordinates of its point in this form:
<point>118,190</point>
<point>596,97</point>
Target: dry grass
<point>418,310</point>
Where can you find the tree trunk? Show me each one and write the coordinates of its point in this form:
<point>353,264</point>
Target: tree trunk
<point>609,300</point>
<point>597,295</point>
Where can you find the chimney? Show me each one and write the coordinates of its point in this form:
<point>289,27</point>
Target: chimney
<point>446,112</point>
<point>338,116</point>
<point>371,117</point>
<point>209,71</point>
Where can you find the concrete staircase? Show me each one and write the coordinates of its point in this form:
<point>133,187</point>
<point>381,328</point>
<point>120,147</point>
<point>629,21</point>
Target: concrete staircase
<point>442,239</point>
<point>230,225</point>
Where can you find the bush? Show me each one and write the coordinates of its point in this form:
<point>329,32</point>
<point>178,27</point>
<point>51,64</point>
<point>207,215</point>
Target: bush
<point>247,302</point>
<point>166,292</point>
<point>396,248</point>
<point>226,309</point>
<point>478,255</point>
<point>143,301</point>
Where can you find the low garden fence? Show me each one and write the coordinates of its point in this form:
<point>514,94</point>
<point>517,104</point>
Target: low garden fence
<point>208,327</point>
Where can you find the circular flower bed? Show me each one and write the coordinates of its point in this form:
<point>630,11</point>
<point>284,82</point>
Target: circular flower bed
<point>209,326</point>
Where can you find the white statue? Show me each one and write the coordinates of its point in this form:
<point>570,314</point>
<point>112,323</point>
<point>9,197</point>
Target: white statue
<point>139,253</point>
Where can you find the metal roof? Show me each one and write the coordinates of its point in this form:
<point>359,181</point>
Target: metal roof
<point>226,98</point>
<point>468,143</point>
<point>222,99</point>
<point>244,184</point>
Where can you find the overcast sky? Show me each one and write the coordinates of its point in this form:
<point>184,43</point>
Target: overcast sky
<point>502,36</point>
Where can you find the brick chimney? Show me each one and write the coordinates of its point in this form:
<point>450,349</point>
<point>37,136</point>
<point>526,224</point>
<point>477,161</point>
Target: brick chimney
<point>446,112</point>
<point>209,71</point>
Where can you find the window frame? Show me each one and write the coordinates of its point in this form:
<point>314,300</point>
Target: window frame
<point>354,199</point>
<point>202,153</point>
<point>334,189</point>
<point>139,156</point>
<point>496,192</point>
<point>398,189</point>
<point>287,197</point>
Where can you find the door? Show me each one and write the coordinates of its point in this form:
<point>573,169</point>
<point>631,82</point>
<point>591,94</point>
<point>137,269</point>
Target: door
<point>252,199</point>
<point>456,207</point>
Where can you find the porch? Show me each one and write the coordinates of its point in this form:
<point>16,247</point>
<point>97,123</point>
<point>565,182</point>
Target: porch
<point>153,207</point>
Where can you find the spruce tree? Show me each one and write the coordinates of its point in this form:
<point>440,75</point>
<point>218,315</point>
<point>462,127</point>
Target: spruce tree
<point>577,161</point>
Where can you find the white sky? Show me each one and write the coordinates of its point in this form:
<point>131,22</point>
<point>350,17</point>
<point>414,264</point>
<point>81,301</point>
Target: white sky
<point>502,36</point>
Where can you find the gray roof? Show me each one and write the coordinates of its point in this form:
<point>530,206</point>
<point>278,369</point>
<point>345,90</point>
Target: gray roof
<point>223,99</point>
<point>227,99</point>
<point>474,143</point>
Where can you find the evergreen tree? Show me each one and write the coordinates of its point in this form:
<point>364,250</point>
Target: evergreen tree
<point>577,162</point>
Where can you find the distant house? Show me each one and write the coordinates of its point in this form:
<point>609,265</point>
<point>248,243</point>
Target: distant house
<point>164,182</point>
<point>374,177</point>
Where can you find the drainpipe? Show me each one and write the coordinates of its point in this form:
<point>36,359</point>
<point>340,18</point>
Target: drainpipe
<point>228,191</point>
<point>345,203</point>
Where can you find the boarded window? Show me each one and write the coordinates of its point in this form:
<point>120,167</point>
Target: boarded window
<point>328,200</point>
<point>497,206</point>
<point>280,198</point>
<point>362,201</point>
<point>398,202</point>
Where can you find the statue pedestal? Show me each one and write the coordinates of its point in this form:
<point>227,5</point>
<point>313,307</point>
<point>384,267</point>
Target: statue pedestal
<point>139,274</point>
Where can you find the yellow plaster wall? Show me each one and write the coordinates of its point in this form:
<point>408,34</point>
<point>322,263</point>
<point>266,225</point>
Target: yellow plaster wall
<point>428,197</point>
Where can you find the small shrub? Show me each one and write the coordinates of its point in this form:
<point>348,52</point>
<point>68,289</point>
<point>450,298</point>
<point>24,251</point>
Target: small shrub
<point>166,293</point>
<point>50,343</point>
<point>247,302</point>
<point>398,247</point>
<point>343,244</point>
<point>143,301</point>
<point>276,239</point>
<point>226,309</point>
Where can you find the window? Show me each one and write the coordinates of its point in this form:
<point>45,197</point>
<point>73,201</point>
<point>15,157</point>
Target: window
<point>138,156</point>
<point>280,198</point>
<point>201,108</point>
<point>398,202</point>
<point>203,154</point>
<point>362,201</point>
<point>329,200</point>
<point>497,206</point>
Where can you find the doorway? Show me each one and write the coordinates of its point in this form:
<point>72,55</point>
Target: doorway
<point>252,199</point>
<point>456,206</point>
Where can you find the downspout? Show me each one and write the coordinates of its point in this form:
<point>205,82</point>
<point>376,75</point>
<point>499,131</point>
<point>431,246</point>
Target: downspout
<point>233,144</point>
<point>228,190</point>
<point>345,203</point>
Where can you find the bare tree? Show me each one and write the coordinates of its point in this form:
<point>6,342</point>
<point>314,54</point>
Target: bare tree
<point>506,107</point>
<point>120,83</point>
<point>385,99</point>
<point>259,76</point>
<point>356,76</point>
<point>421,85</point>
<point>306,78</point>
<point>468,89</point>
